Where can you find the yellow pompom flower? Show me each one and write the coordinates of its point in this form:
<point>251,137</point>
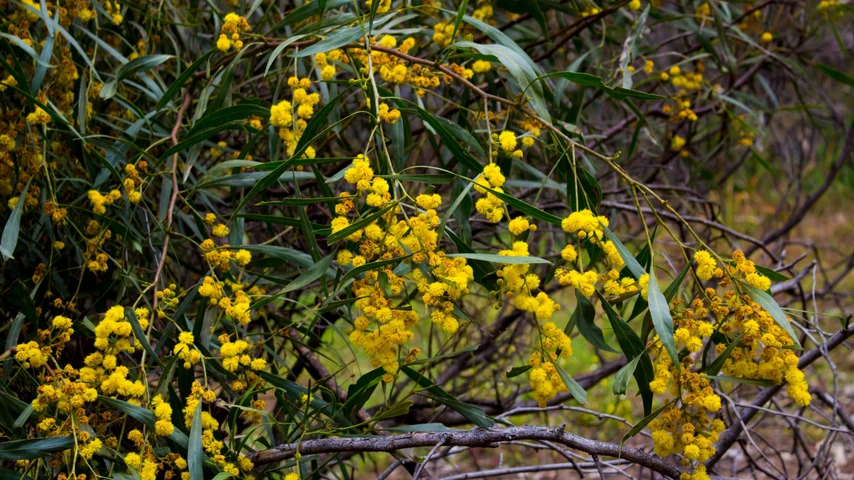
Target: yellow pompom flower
<point>507,140</point>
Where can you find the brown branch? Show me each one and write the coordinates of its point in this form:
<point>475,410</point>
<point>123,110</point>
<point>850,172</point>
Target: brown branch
<point>471,438</point>
<point>174,137</point>
<point>731,434</point>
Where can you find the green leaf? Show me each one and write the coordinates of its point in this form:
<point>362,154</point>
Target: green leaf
<point>195,453</point>
<point>576,390</point>
<point>179,82</point>
<point>461,12</point>
<point>507,260</point>
<point>140,334</point>
<point>525,207</point>
<point>228,118</point>
<point>589,196</point>
<point>643,423</point>
<point>313,273</point>
<point>26,48</point>
<point>137,65</point>
<point>631,262</point>
<point>632,346</point>
<point>9,240</point>
<point>360,392</point>
<point>298,202</point>
<point>223,475</point>
<point>429,178</point>
<point>358,225</point>
<point>661,318</point>
<point>836,75</point>
<point>588,80</point>
<point>630,51</point>
<point>311,131</point>
<point>449,139</point>
<point>516,371</point>
<point>621,380</point>
<point>278,51</point>
<point>746,381</point>
<point>143,416</point>
<point>338,39</point>
<point>135,412</point>
<point>772,275</point>
<point>307,11</point>
<point>767,302</point>
<point>475,414</point>
<point>397,410</point>
<point>34,448</point>
<point>585,314</point>
<point>719,362</point>
<point>519,68</point>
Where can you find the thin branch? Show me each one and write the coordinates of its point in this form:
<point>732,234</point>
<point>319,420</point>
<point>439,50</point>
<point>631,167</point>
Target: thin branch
<point>471,438</point>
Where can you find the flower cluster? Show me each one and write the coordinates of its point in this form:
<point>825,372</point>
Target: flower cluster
<point>232,27</point>
<point>756,348</point>
<point>490,206</point>
<point>291,117</point>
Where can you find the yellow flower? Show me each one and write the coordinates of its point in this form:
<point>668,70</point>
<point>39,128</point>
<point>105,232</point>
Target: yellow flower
<point>677,142</point>
<point>519,225</point>
<point>481,66</point>
<point>706,265</point>
<point>428,201</point>
<point>507,140</point>
<point>38,117</point>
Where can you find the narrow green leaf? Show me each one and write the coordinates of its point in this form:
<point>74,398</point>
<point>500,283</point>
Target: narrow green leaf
<point>770,305</point>
<point>195,453</point>
<point>588,80</point>
<point>134,66</point>
<point>576,390</point>
<point>621,380</point>
<point>298,202</point>
<point>140,334</point>
<point>661,318</point>
<point>507,260</point>
<point>475,414</point>
<point>422,428</point>
<point>359,224</point>
<point>338,39</point>
<point>585,314</point>
<point>520,69</point>
<point>34,448</point>
<point>643,423</point>
<point>179,82</point>
<point>516,371</point>
<point>397,410</point>
<point>836,75</point>
<point>631,262</point>
<point>772,275</point>
<point>313,273</point>
<point>746,381</point>
<point>9,240</point>
<point>719,362</point>
<point>632,346</point>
